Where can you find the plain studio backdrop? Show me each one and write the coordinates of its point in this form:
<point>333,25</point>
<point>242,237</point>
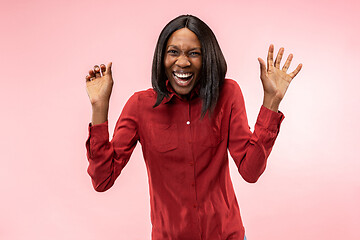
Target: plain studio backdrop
<point>311,187</point>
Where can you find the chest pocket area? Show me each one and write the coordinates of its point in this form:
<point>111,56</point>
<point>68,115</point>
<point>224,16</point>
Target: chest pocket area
<point>208,132</point>
<point>163,137</point>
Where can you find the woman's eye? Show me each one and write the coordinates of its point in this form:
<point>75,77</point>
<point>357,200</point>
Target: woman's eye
<point>195,54</point>
<point>172,52</point>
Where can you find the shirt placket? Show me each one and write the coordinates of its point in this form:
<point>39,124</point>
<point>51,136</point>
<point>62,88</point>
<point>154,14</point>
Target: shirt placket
<point>192,165</point>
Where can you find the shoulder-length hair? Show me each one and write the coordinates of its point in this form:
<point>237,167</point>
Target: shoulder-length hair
<point>213,62</point>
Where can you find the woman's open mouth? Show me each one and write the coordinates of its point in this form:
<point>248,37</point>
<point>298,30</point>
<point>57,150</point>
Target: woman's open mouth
<point>183,79</point>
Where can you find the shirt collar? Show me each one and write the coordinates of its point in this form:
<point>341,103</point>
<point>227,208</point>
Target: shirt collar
<point>194,92</point>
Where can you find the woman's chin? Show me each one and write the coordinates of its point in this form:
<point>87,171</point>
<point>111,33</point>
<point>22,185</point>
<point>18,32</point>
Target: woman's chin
<point>182,91</point>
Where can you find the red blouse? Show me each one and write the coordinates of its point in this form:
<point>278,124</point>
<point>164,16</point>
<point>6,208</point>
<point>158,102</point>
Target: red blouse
<point>191,193</point>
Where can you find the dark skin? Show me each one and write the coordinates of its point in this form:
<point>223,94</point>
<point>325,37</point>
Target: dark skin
<point>275,80</point>
<point>99,85</point>
<point>183,58</point>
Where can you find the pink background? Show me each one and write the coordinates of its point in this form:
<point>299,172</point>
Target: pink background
<point>311,188</point>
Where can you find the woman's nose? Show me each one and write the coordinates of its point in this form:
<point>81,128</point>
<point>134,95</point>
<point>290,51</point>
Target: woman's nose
<point>182,61</point>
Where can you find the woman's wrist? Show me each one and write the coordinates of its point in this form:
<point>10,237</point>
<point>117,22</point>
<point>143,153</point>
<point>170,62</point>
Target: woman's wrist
<point>99,113</point>
<point>271,103</point>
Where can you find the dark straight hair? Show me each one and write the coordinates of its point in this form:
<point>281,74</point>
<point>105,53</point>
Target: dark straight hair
<point>213,62</point>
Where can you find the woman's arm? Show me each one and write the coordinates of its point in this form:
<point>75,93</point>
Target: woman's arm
<point>107,159</point>
<point>250,150</point>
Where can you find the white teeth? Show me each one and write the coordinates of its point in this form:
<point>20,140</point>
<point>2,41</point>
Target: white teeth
<point>183,75</point>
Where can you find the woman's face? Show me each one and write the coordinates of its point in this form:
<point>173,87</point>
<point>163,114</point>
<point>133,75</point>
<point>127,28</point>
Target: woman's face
<point>183,61</point>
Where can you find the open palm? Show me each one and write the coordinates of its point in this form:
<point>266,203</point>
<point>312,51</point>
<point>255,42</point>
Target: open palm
<point>275,80</point>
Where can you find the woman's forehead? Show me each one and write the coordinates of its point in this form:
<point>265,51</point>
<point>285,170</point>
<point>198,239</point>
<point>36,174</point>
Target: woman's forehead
<point>184,38</point>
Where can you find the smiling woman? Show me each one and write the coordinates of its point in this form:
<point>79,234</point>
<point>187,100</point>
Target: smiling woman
<point>213,65</point>
<point>186,124</point>
<point>183,61</point>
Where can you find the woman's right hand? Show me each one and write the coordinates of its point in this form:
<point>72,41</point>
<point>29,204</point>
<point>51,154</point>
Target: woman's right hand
<point>99,84</point>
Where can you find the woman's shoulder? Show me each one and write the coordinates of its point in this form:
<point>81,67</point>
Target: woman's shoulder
<point>230,86</point>
<point>143,98</point>
<point>231,82</point>
<point>143,95</point>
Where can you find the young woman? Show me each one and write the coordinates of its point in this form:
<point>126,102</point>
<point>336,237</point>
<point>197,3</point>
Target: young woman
<point>186,124</point>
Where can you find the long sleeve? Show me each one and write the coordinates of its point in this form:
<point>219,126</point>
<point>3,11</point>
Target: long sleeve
<point>107,159</point>
<point>251,150</point>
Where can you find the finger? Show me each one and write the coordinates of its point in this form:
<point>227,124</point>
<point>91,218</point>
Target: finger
<point>103,69</point>
<point>108,68</point>
<point>270,58</point>
<point>92,73</point>
<point>88,78</point>
<point>279,57</point>
<point>262,66</point>
<point>296,71</point>
<point>97,71</point>
<point>287,63</point>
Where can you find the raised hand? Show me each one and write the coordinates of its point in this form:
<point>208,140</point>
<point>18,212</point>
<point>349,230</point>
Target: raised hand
<point>99,84</point>
<point>275,80</point>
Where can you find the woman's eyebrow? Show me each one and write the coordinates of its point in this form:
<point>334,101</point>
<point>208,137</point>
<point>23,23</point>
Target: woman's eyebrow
<point>174,46</point>
<point>192,49</point>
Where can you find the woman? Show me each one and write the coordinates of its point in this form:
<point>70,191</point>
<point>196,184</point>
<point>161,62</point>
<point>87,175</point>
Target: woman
<point>185,124</point>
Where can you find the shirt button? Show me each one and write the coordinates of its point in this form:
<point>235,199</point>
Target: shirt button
<point>194,206</point>
<point>193,184</point>
<point>188,122</point>
<point>191,163</point>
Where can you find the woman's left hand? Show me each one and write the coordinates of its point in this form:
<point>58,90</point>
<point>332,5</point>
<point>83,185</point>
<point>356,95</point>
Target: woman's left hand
<point>275,80</point>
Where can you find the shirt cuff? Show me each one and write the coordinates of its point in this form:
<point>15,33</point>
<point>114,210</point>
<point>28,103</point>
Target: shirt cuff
<point>99,132</point>
<point>269,119</point>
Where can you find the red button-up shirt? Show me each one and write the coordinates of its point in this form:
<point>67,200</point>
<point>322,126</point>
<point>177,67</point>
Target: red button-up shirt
<point>191,193</point>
